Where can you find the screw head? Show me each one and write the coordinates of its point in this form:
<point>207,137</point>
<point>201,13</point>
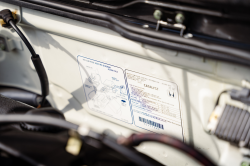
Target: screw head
<point>157,14</point>
<point>179,18</point>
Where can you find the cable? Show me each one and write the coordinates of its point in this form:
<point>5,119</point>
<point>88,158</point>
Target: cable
<point>136,139</point>
<point>131,155</point>
<point>218,99</point>
<point>37,63</point>
<point>17,154</point>
<point>38,119</point>
<point>32,51</point>
<point>163,4</point>
<point>8,18</point>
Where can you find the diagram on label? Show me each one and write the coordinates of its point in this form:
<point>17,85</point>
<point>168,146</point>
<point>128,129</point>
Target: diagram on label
<point>155,103</point>
<point>105,89</point>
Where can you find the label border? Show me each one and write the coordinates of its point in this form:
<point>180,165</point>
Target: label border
<point>128,93</point>
<point>124,82</point>
<point>178,99</point>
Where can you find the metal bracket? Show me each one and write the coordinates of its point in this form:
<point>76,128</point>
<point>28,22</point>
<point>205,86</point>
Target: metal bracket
<point>180,27</point>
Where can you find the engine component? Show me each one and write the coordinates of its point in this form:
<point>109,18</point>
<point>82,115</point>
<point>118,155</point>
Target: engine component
<point>231,123</point>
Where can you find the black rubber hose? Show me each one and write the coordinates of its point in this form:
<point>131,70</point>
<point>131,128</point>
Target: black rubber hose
<point>178,46</point>
<point>42,76</point>
<point>129,154</point>
<point>13,25</point>
<point>17,154</point>
<point>21,95</point>
<point>163,4</point>
<point>147,32</point>
<point>37,119</point>
<point>37,63</point>
<point>136,139</point>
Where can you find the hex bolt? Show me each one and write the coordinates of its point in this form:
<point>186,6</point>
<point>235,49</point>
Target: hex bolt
<point>157,14</point>
<point>179,18</point>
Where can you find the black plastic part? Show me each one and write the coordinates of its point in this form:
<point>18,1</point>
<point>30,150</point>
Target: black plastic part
<point>50,112</point>
<point>6,15</point>
<point>42,76</point>
<point>242,95</point>
<point>44,148</point>
<point>234,126</point>
<point>28,161</point>
<point>23,96</point>
<point>11,106</point>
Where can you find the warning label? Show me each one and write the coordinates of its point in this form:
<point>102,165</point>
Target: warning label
<point>155,103</point>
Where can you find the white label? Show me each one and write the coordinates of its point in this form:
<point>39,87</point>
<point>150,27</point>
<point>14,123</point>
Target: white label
<point>155,103</point>
<point>105,88</point>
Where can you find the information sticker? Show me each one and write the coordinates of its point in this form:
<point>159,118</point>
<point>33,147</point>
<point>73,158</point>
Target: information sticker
<point>105,89</point>
<point>155,103</point>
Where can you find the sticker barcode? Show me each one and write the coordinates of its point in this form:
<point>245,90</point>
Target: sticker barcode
<point>151,122</point>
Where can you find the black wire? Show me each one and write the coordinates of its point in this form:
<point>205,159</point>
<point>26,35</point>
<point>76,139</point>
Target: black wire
<point>129,154</point>
<point>136,139</point>
<point>43,100</point>
<point>32,51</point>
<point>37,63</point>
<point>38,119</point>
<point>17,154</point>
<point>218,99</point>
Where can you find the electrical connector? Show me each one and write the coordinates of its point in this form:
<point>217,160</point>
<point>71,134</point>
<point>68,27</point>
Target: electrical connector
<point>5,16</point>
<point>242,95</point>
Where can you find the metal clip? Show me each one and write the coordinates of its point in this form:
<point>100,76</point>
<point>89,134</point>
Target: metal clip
<point>181,27</point>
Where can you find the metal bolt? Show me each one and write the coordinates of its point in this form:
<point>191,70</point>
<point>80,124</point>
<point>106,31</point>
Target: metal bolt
<point>157,14</point>
<point>179,18</point>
